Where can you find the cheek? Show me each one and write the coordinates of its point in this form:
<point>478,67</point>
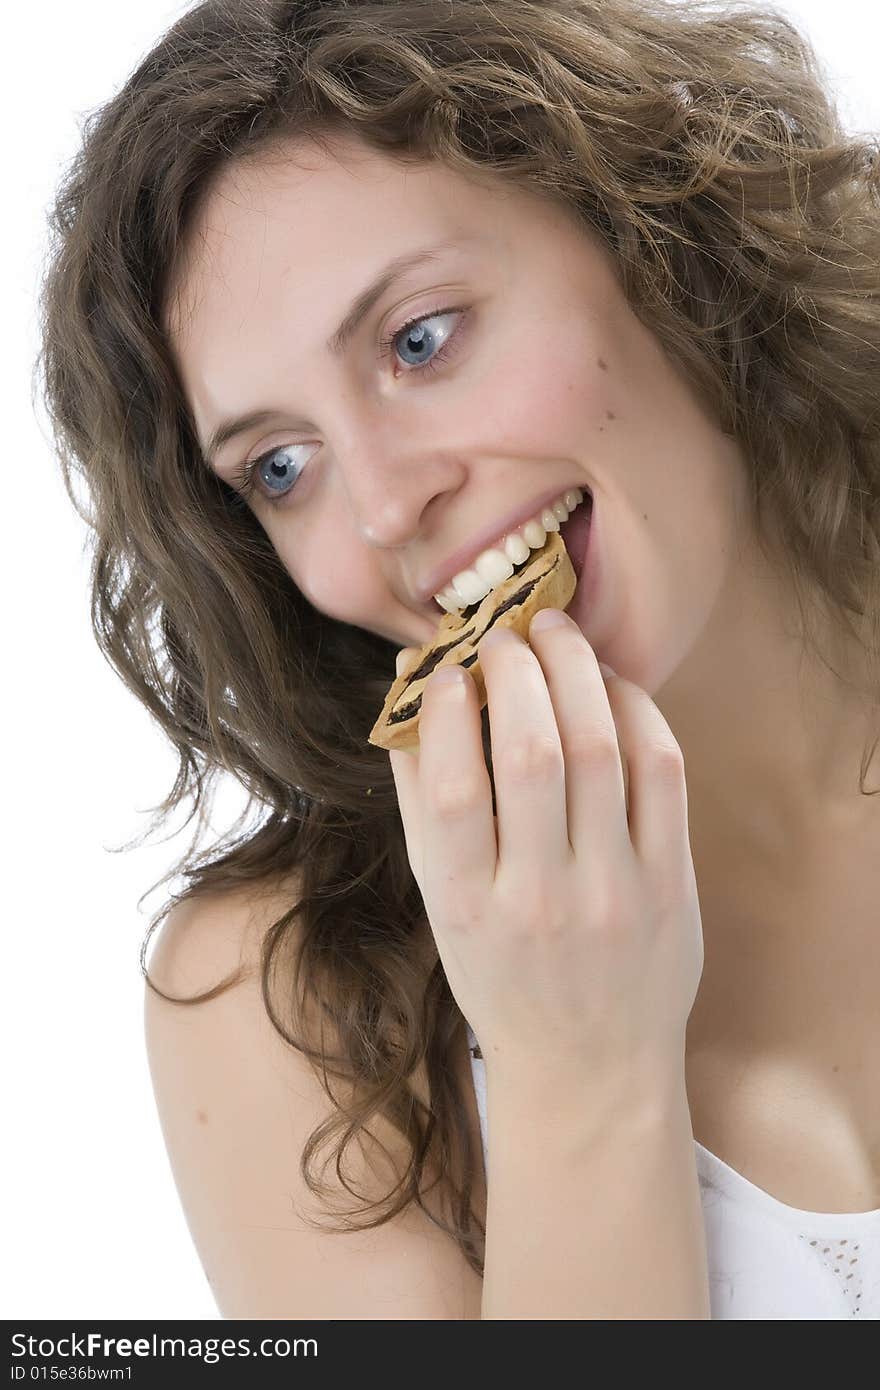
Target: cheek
<point>549,393</point>
<point>347,589</point>
<point>670,580</point>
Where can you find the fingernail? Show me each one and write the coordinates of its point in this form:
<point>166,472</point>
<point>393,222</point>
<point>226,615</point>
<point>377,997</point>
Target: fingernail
<point>606,670</point>
<point>447,675</point>
<point>548,617</point>
<point>500,633</point>
<point>402,659</point>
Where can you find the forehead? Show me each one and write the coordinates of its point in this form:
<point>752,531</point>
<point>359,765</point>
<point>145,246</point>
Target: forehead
<point>316,218</point>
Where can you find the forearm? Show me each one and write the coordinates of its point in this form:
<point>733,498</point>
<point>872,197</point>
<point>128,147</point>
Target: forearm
<point>593,1210</point>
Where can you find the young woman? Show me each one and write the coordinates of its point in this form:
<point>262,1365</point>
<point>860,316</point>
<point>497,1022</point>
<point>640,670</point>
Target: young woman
<point>578,998</point>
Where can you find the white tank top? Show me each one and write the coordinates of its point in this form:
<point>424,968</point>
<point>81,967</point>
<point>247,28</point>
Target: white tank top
<point>767,1260</point>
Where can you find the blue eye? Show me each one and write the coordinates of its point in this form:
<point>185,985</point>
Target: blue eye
<point>416,341</point>
<point>277,465</point>
<point>279,468</point>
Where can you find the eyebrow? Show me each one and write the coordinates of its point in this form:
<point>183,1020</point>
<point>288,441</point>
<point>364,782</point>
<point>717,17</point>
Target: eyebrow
<point>339,341</point>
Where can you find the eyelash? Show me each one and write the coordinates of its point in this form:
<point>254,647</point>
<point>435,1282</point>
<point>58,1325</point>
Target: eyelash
<point>244,480</point>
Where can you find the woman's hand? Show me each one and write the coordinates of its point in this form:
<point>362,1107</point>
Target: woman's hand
<point>569,924</point>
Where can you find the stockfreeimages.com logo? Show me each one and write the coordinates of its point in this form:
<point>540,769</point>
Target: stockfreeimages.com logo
<point>94,1345</point>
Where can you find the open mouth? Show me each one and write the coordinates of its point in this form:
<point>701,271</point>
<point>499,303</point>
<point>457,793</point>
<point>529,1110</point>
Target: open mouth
<point>573,532</point>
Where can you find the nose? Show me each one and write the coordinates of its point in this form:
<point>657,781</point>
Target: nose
<point>391,482</point>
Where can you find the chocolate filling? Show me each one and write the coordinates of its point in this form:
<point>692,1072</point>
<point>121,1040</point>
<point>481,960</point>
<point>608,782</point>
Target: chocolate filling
<point>436,655</point>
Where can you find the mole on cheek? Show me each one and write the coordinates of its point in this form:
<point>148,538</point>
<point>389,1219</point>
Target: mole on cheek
<point>608,414</point>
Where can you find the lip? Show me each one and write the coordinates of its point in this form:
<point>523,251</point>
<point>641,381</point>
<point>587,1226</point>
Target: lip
<point>462,558</point>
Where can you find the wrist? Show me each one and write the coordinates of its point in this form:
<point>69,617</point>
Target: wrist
<point>638,1097</point>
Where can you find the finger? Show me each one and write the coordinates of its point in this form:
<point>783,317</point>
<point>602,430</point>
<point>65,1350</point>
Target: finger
<point>527,757</point>
<point>657,791</point>
<point>595,784</point>
<point>459,845</point>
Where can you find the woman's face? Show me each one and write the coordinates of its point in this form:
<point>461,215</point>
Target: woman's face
<point>384,461</point>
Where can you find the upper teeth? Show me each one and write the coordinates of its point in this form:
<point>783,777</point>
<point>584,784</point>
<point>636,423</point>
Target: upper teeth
<point>497,563</point>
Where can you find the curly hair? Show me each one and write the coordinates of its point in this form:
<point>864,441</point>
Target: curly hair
<point>700,144</point>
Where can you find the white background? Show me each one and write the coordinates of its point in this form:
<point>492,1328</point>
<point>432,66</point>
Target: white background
<point>92,1225</point>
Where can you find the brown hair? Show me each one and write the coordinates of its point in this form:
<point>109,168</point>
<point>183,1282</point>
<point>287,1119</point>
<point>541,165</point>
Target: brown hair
<point>700,145</point>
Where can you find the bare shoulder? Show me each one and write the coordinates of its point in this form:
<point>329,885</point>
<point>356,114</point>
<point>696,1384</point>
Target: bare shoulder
<point>237,1103</point>
<point>206,938</point>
